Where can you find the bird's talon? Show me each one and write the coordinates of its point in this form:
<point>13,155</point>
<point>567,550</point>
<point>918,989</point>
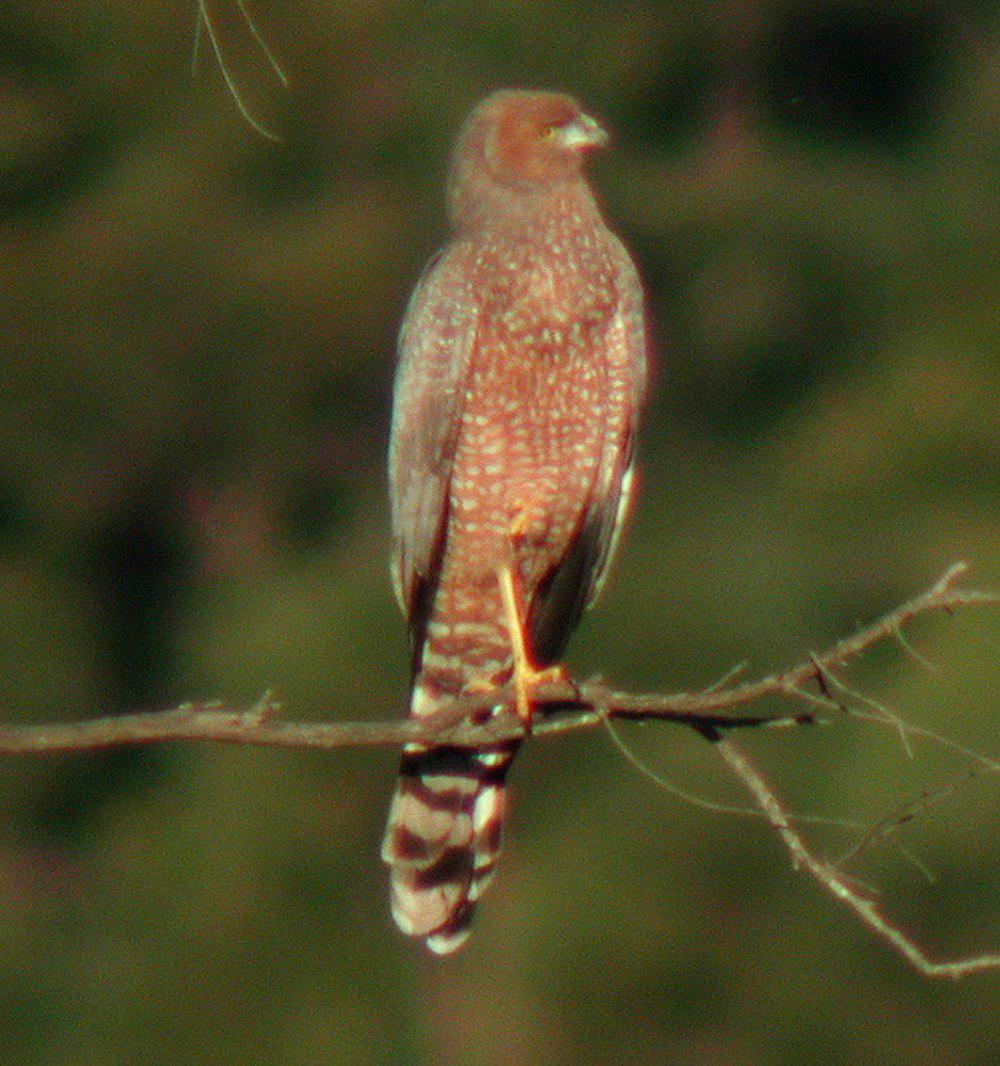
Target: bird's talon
<point>526,680</point>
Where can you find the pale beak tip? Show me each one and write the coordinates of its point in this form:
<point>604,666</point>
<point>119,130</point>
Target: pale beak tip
<point>584,132</point>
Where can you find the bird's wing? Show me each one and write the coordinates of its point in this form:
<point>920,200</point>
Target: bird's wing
<point>435,347</point>
<point>576,582</point>
<point>610,502</point>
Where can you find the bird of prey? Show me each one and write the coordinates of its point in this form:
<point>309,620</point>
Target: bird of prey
<point>522,367</point>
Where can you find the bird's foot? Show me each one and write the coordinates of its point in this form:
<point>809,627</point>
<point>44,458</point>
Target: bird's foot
<point>526,679</point>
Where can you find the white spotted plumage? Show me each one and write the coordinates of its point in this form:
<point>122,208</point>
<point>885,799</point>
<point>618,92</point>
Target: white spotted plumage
<point>522,367</point>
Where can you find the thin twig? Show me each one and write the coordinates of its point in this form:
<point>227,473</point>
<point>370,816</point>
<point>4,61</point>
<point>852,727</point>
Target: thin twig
<point>204,21</point>
<point>892,821</point>
<point>715,806</point>
<point>885,716</point>
<point>828,877</point>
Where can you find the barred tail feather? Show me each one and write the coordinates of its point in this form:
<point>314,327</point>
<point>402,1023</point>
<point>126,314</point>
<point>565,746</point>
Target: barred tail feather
<point>443,838</point>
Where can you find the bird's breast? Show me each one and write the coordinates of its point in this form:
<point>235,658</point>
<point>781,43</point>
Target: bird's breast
<point>533,430</point>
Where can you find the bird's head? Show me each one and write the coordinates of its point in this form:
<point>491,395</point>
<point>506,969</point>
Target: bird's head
<point>521,141</point>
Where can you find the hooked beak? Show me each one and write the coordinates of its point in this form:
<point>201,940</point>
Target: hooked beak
<point>583,133</point>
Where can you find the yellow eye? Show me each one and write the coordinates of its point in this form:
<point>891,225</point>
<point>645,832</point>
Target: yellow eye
<point>551,131</point>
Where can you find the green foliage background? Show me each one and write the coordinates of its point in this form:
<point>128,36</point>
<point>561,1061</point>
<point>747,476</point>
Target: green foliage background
<point>197,345</point>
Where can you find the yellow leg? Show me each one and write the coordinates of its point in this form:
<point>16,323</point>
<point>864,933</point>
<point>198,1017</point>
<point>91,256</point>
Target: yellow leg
<point>526,676</point>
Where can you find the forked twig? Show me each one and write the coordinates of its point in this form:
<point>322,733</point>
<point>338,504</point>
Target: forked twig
<point>204,21</point>
<point>829,878</point>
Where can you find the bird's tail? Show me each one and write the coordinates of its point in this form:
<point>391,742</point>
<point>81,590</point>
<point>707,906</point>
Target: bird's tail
<point>442,839</point>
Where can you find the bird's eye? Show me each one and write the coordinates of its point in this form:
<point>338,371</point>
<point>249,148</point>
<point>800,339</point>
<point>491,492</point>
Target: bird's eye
<point>551,130</point>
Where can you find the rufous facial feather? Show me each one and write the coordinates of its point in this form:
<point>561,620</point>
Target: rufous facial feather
<point>516,144</point>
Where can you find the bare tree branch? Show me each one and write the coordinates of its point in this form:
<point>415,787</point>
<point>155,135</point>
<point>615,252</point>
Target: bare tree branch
<point>476,720</point>
<point>467,722</point>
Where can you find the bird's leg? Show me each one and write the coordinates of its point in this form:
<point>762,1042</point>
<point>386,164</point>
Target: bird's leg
<point>526,675</point>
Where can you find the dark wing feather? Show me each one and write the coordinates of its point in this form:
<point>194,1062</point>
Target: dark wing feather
<point>435,348</point>
<point>577,581</point>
